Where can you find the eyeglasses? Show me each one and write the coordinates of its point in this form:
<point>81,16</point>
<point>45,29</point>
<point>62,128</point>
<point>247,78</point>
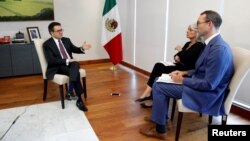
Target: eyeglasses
<point>198,22</point>
<point>59,30</point>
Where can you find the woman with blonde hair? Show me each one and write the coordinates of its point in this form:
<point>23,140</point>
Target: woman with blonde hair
<point>184,59</point>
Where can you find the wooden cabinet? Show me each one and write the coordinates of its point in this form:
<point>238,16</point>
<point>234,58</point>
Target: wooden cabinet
<point>18,59</point>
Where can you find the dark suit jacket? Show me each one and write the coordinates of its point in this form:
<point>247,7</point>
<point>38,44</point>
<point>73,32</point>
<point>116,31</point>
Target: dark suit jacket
<point>189,56</point>
<point>204,91</point>
<point>53,56</point>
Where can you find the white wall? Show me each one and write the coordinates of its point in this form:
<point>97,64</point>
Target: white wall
<point>150,32</point>
<point>236,31</point>
<point>181,14</point>
<point>81,20</point>
<point>151,25</point>
<point>126,11</point>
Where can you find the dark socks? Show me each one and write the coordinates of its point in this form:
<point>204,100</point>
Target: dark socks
<point>160,128</point>
<point>71,87</point>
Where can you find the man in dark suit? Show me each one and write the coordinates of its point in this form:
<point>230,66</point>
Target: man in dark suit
<point>58,52</point>
<point>204,90</point>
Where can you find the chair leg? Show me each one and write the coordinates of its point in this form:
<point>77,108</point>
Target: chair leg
<point>210,119</point>
<point>45,84</point>
<point>173,110</point>
<point>66,88</point>
<point>62,96</point>
<point>84,87</point>
<point>224,120</point>
<point>178,128</point>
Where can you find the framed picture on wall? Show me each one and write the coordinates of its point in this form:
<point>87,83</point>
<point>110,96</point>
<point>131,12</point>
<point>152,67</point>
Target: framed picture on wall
<point>33,33</point>
<point>26,10</point>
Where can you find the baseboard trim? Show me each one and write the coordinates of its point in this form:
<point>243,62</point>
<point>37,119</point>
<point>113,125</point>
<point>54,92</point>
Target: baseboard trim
<point>87,62</point>
<point>135,68</point>
<point>241,111</point>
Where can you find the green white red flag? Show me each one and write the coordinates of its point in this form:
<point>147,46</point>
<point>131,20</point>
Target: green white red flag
<point>111,31</point>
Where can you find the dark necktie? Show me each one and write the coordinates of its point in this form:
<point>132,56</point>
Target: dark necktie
<point>62,50</point>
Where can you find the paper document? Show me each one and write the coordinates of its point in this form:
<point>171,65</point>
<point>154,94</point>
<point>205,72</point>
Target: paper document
<point>165,78</point>
<point>167,63</point>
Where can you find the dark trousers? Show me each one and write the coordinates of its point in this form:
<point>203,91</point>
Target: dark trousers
<point>72,70</point>
<point>159,69</point>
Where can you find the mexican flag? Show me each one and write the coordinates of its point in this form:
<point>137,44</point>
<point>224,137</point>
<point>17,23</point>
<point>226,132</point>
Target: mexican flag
<point>111,31</point>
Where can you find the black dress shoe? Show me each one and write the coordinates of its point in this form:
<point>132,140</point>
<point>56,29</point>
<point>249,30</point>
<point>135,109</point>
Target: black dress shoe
<point>143,105</point>
<point>81,106</point>
<point>71,96</point>
<point>143,99</point>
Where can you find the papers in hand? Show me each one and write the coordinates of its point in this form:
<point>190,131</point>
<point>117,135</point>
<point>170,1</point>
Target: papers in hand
<point>165,78</point>
<point>167,63</point>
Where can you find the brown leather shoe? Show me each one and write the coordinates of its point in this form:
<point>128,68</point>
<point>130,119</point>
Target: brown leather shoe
<point>169,125</point>
<point>151,132</point>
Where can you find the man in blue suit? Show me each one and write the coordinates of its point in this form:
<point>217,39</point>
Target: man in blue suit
<point>203,90</point>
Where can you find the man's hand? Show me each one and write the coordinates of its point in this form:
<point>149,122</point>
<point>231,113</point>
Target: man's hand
<point>86,45</point>
<point>182,73</point>
<point>178,76</point>
<point>177,59</point>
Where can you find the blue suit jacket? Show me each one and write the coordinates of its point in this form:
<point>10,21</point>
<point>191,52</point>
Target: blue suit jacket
<point>204,90</point>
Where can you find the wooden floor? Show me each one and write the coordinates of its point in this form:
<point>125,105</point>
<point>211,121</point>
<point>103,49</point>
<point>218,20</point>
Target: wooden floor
<point>113,118</point>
